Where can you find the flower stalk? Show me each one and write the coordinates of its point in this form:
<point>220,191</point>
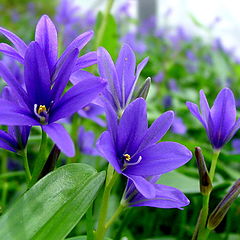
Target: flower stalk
<point>26,165</point>
<point>110,180</point>
<point>203,231</point>
<point>40,161</point>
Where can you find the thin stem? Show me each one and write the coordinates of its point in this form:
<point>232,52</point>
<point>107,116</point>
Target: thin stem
<point>214,164</point>
<point>110,180</point>
<point>26,166</point>
<point>103,26</point>
<point>4,170</point>
<point>40,161</point>
<point>116,214</point>
<point>74,135</point>
<point>89,219</point>
<point>203,219</point>
<point>203,231</point>
<point>12,174</point>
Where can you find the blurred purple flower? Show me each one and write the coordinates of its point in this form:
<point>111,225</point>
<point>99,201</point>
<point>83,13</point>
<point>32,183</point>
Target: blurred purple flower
<point>236,146</point>
<point>167,101</point>
<point>191,55</point>
<point>178,126</point>
<point>121,77</point>
<point>132,149</point>
<point>219,121</point>
<point>67,12</point>
<point>173,85</point>
<point>93,111</point>
<point>86,142</point>
<point>159,77</point>
<point>136,44</point>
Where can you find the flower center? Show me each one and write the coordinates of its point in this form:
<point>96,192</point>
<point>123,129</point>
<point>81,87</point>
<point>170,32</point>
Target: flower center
<point>42,108</point>
<point>127,157</point>
<point>126,161</point>
<point>41,112</point>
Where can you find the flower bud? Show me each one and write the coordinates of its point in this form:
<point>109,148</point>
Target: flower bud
<point>205,181</point>
<point>51,161</point>
<point>144,89</point>
<point>222,208</point>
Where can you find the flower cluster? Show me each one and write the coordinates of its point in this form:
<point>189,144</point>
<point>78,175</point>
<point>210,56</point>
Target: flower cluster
<point>37,97</point>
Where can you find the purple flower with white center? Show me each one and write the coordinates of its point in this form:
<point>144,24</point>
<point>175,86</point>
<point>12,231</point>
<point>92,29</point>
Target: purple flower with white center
<point>93,111</point>
<point>121,77</point>
<point>178,126</point>
<point>132,149</point>
<point>42,101</point>
<point>46,37</point>
<point>16,138</point>
<point>166,196</point>
<point>86,142</point>
<point>219,121</point>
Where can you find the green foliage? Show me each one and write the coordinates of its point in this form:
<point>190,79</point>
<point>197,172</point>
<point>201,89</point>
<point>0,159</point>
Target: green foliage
<point>52,207</point>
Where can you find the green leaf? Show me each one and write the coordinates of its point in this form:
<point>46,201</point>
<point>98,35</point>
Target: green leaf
<point>52,207</point>
<point>178,180</point>
<point>84,238</point>
<point>110,37</point>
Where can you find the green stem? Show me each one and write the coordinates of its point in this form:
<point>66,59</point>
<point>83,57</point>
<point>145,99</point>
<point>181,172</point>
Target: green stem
<point>214,164</point>
<point>203,231</point>
<point>26,166</point>
<point>40,161</point>
<point>89,219</point>
<point>117,213</point>
<point>103,26</point>
<point>110,180</point>
<point>74,135</point>
<point>12,174</point>
<point>4,170</point>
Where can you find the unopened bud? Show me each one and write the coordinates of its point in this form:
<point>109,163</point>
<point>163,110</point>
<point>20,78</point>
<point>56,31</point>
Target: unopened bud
<point>51,161</point>
<point>205,181</point>
<point>144,89</point>
<point>222,208</point>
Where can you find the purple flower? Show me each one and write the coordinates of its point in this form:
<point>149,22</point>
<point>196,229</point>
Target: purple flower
<point>41,101</point>
<point>16,138</point>
<point>93,111</point>
<point>86,142</point>
<point>159,77</point>
<point>219,121</point>
<point>178,126</point>
<point>166,196</point>
<point>121,77</point>
<point>236,146</point>
<point>46,37</point>
<point>136,44</point>
<point>67,12</point>
<point>132,149</point>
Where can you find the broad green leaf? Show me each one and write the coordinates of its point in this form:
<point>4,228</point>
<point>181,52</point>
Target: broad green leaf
<point>53,206</point>
<point>178,180</point>
<point>83,238</point>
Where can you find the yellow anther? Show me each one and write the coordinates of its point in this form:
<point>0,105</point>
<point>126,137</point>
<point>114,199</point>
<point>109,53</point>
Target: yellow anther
<point>42,108</point>
<point>127,157</point>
